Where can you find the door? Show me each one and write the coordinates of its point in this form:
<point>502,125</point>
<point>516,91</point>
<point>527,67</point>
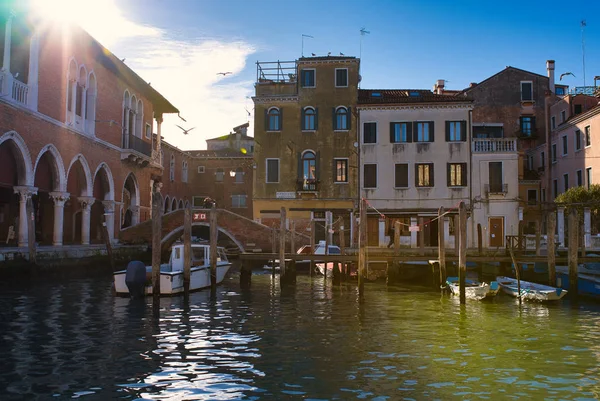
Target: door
<point>496,228</point>
<point>431,233</point>
<point>373,231</point>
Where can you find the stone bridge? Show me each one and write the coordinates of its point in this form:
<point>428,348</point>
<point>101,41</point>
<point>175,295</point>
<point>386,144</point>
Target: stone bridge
<point>246,234</point>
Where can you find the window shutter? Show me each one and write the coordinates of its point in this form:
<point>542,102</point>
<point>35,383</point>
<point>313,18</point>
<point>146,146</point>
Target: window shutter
<point>464,174</point>
<point>463,131</point>
<point>349,118</point>
<point>280,119</point>
<point>392,136</point>
<point>318,165</point>
<point>300,175</point>
<point>431,132</point>
<point>447,131</point>
<point>266,120</point>
<point>333,168</point>
<point>302,115</point>
<point>415,131</point>
<point>316,118</point>
<point>521,124</point>
<point>416,175</point>
<point>409,132</point>
<point>333,126</point>
<point>431,174</point>
<point>448,172</point>
<point>532,125</point>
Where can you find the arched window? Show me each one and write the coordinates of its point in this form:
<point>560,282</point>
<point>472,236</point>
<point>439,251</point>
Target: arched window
<point>126,104</point>
<point>172,168</point>
<point>274,119</point>
<point>184,171</point>
<point>71,89</point>
<point>309,170</point>
<point>219,175</point>
<point>167,204</point>
<point>90,107</point>
<point>80,92</point>
<point>139,120</point>
<point>340,121</point>
<point>131,124</point>
<point>309,119</point>
<point>239,175</point>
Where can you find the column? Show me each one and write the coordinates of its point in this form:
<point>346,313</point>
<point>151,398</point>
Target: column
<point>413,234</point>
<point>159,121</point>
<point>382,233</point>
<point>86,206</point>
<point>125,129</point>
<point>446,232</point>
<point>25,194</point>
<point>109,218</point>
<point>352,227</point>
<point>7,79</point>
<point>135,215</point>
<point>560,224</point>
<point>34,51</point>
<point>587,227</point>
<point>59,199</point>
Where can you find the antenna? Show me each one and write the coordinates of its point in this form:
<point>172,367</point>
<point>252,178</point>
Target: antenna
<point>363,32</point>
<point>305,36</point>
<point>583,25</point>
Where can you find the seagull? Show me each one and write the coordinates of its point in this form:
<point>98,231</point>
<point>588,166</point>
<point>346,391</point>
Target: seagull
<point>185,131</point>
<point>342,54</point>
<point>224,73</point>
<point>314,55</point>
<point>566,73</point>
<point>329,53</point>
<point>123,60</point>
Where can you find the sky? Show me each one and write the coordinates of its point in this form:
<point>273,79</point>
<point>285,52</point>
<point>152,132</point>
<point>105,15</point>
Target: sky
<point>181,45</point>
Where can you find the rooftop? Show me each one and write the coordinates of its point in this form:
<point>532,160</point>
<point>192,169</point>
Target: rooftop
<point>218,153</point>
<point>393,96</point>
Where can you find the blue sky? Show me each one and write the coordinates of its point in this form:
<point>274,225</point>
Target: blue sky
<point>410,45</point>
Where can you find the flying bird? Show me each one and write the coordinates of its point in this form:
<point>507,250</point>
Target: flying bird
<point>329,53</point>
<point>342,54</point>
<point>313,54</point>
<point>224,73</point>
<point>185,131</point>
<point>566,73</point>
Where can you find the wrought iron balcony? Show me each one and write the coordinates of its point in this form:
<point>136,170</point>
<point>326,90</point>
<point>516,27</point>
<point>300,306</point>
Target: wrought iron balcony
<point>307,185</point>
<point>491,145</point>
<point>138,144</point>
<point>495,189</point>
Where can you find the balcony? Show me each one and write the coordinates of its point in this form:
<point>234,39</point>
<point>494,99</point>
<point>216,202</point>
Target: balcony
<point>495,189</point>
<point>307,185</point>
<point>500,145</point>
<point>13,88</point>
<point>136,150</point>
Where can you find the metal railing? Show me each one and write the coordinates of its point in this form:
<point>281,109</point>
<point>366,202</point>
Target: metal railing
<point>20,91</point>
<point>495,189</point>
<point>138,144</point>
<point>500,145</point>
<point>308,185</point>
<point>276,71</point>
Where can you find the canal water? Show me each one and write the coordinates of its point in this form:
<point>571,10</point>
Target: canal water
<point>70,338</point>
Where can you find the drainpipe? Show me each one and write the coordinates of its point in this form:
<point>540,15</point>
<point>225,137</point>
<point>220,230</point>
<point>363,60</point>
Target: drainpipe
<point>358,150</point>
<point>469,143</point>
<point>548,146</point>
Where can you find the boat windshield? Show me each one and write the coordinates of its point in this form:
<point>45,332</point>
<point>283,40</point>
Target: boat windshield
<point>197,254</point>
<point>221,257</point>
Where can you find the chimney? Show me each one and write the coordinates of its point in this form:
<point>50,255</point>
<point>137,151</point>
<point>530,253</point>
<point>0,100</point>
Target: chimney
<point>550,70</point>
<point>472,84</point>
<point>438,88</point>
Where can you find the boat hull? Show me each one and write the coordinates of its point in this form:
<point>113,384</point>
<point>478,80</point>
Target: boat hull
<point>587,285</point>
<point>530,291</point>
<point>473,289</point>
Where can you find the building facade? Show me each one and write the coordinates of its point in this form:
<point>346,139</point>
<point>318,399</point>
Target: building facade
<point>305,141</point>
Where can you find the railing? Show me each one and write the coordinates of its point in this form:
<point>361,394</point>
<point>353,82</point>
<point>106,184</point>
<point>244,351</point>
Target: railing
<point>308,185</point>
<point>495,189</point>
<point>500,145</point>
<point>138,144</point>
<point>276,71</point>
<point>20,91</point>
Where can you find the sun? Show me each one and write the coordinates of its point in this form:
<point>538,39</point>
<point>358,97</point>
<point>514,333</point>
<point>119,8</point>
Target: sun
<point>58,10</point>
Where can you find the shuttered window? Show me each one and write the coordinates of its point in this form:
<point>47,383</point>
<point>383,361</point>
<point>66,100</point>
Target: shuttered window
<point>401,175</point>
<point>423,131</point>
<point>307,78</point>
<point>400,132</point>
<point>456,131</point>
<point>272,171</point>
<point>370,175</point>
<point>370,132</point>
<point>457,174</point>
<point>424,175</point>
<point>340,170</point>
<point>341,77</point>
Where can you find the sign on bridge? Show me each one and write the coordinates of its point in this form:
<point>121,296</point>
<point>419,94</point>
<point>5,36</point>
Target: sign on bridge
<point>199,217</point>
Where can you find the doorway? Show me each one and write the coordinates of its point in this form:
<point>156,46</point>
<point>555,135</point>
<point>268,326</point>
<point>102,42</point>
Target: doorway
<point>496,228</point>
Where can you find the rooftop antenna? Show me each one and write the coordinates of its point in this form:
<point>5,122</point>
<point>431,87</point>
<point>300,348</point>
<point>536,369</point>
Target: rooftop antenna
<point>305,36</point>
<point>363,32</point>
<point>583,25</point>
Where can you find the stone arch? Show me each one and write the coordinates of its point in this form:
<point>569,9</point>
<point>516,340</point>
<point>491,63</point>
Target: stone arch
<point>131,201</point>
<point>174,204</point>
<point>171,237</point>
<point>58,166</point>
<point>167,204</point>
<point>87,173</point>
<point>109,178</point>
<point>187,204</point>
<point>180,204</point>
<point>23,157</point>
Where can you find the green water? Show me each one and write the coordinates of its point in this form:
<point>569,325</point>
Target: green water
<point>316,341</point>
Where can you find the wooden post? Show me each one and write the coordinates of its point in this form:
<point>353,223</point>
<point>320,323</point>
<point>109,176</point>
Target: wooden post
<point>157,212</point>
<point>214,236</point>
<point>273,249</point>
<point>572,253</point>
<point>342,248</point>
<point>538,237</point>
<point>292,268</point>
<point>396,237</point>
<point>31,231</point>
<point>479,239</point>
<point>187,249</point>
<point>421,236</point>
<point>328,227</point>
<point>456,234</point>
<point>282,234</point>
<point>441,246</point>
<point>106,238</point>
<point>362,248</point>
<point>462,252</point>
<point>312,244</point>
<point>517,271</point>
<point>551,227</point>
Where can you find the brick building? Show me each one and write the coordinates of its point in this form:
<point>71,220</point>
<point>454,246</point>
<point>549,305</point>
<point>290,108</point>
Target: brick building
<point>75,134</point>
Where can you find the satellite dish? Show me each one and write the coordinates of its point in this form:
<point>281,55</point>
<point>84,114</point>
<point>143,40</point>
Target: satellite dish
<point>355,144</point>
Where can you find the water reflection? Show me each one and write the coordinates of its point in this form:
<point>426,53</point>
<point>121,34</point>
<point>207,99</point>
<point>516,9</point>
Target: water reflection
<point>75,340</point>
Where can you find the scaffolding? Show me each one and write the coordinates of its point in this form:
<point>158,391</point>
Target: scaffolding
<point>276,71</point>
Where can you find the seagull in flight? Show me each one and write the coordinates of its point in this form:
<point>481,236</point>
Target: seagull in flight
<point>566,73</point>
<point>185,131</point>
<point>224,73</point>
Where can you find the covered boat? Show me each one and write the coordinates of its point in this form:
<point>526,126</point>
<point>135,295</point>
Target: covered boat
<point>529,290</point>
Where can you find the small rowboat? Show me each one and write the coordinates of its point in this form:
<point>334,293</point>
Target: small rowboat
<point>473,289</point>
<point>529,290</point>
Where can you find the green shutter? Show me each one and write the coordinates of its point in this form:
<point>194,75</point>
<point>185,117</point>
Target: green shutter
<point>463,131</point>
<point>409,132</point>
<point>300,176</point>
<point>431,174</point>
<point>464,174</point>
<point>448,172</point>
<point>334,171</point>
<point>447,131</point>
<point>318,165</point>
<point>316,118</point>
<point>392,136</point>
<point>533,126</point>
<point>416,174</point>
<point>280,119</point>
<point>302,114</point>
<point>349,118</point>
<point>431,131</point>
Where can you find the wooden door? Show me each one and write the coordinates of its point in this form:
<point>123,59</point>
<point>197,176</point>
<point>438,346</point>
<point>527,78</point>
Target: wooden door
<point>496,229</point>
<point>373,231</point>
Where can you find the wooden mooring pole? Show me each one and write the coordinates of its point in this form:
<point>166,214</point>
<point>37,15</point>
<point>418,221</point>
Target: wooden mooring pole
<point>479,240</point>
<point>343,250</point>
<point>462,251</point>
<point>362,248</point>
<point>456,234</point>
<point>107,243</point>
<point>157,212</point>
<point>572,253</point>
<point>312,245</point>
<point>273,248</point>
<point>31,231</point>
<point>551,228</point>
<point>441,246</point>
<point>517,271</point>
<point>214,237</point>
<point>291,269</point>
<point>187,249</point>
<point>282,234</point>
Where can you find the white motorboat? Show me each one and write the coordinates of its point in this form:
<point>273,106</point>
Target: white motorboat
<point>529,290</point>
<point>171,274</point>
<point>473,289</point>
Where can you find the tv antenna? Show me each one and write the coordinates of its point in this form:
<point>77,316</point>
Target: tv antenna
<point>305,36</point>
<point>363,32</point>
<point>583,25</point>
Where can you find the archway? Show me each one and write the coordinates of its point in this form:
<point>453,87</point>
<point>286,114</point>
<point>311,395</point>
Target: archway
<point>103,205</point>
<point>180,204</point>
<point>78,186</point>
<point>174,205</point>
<point>201,231</point>
<point>167,205</point>
<point>131,202</point>
<point>48,177</point>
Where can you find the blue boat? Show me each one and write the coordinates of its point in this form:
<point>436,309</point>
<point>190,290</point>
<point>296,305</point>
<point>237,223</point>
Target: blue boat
<point>587,284</point>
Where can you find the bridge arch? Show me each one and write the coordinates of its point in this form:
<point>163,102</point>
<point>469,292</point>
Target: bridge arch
<point>171,237</point>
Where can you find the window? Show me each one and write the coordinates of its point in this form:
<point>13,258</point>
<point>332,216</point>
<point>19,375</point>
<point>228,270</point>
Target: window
<point>456,131</point>
<point>272,171</point>
<point>201,170</point>
<point>400,132</point>
<point>341,170</point>
<point>341,120</point>
<point>341,77</point>
<point>553,149</point>
<point>578,109</point>
<point>370,133</point>
<point>80,91</point>
<point>529,162</point>
<point>496,180</point>
<point>309,119</point>
<point>543,159</point>
<point>560,91</point>
<point>239,175</point>
<point>90,104</point>
<point>198,201</point>
<point>553,122</point>
<point>424,131</point>
<point>577,140</point>
<point>148,131</point>
<point>579,178</point>
<point>532,197</point>
<point>219,175</point>
<point>424,174</point>
<point>401,175</point>
<point>588,139</point>
<point>238,201</point>
<point>457,175</point>
<point>488,131</point>
<point>566,182</point>
<point>307,78</point>
<point>565,145</point>
<point>555,188</point>
<point>588,177</point>
<point>563,116</point>
<point>370,175</point>
<point>273,119</point>
<point>309,165</point>
<point>184,171</point>
<point>527,126</point>
<point>526,91</point>
<point>172,168</point>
